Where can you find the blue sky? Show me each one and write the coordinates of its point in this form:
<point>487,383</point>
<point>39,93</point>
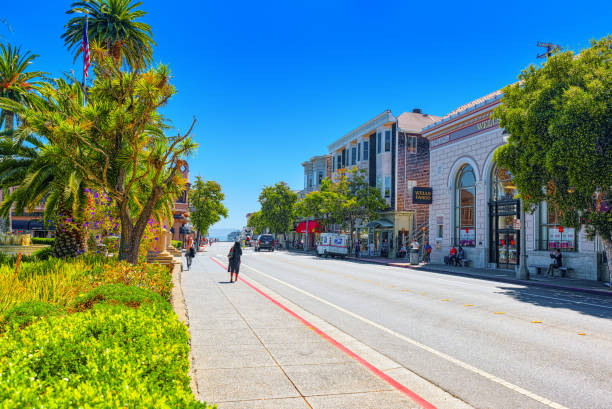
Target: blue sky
<point>273,83</point>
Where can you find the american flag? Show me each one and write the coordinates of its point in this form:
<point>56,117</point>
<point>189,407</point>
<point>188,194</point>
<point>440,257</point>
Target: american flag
<point>85,49</point>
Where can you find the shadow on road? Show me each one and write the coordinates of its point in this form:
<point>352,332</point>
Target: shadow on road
<point>597,306</point>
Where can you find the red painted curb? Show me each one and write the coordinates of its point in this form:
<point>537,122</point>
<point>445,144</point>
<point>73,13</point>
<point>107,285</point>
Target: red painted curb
<point>416,398</point>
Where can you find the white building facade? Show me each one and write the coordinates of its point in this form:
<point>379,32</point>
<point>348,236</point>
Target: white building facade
<point>474,201</point>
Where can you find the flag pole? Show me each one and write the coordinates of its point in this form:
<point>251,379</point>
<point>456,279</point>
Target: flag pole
<point>83,85</point>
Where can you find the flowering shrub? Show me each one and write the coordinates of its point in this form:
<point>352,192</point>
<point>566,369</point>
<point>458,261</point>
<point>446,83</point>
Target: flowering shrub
<point>153,277</point>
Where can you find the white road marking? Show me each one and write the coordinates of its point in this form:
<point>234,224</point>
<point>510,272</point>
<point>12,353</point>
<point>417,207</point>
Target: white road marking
<point>442,355</point>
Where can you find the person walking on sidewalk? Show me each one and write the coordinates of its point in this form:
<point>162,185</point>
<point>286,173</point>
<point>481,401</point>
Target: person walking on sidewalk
<point>234,261</point>
<point>189,252</point>
<point>357,249</point>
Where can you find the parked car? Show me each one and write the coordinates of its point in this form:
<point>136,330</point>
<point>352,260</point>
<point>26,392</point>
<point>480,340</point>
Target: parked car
<point>332,244</point>
<point>265,241</point>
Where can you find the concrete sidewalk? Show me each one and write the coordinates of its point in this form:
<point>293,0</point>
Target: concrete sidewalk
<point>571,284</point>
<point>248,352</point>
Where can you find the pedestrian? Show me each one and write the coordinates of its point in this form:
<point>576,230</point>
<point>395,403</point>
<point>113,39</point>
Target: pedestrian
<point>557,262</point>
<point>371,248</point>
<point>357,249</point>
<point>426,251</point>
<point>460,256</point>
<point>234,261</point>
<point>452,256</point>
<point>415,244</point>
<point>403,251</point>
<point>189,252</point>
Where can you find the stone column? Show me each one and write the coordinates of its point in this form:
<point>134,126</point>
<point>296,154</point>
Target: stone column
<point>163,256</point>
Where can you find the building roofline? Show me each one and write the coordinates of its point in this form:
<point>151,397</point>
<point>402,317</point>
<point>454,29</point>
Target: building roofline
<point>362,129</point>
<point>463,112</point>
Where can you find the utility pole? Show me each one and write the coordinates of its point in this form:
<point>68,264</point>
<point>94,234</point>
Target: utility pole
<point>550,49</point>
<point>523,271</point>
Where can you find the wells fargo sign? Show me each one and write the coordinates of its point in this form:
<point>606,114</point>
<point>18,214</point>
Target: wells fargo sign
<point>421,195</point>
<point>476,124</point>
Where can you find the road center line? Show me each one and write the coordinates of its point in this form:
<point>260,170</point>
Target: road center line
<point>431,350</point>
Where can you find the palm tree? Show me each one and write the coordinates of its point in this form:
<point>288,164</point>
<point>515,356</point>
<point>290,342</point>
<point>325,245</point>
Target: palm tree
<point>43,176</point>
<point>111,26</point>
<point>15,83</point>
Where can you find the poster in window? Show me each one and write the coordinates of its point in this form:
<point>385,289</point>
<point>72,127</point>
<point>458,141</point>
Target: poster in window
<point>467,237</point>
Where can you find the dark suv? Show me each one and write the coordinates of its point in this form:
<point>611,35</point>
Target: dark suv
<point>265,241</point>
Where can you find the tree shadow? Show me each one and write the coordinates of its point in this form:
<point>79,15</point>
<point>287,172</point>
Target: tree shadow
<point>588,304</point>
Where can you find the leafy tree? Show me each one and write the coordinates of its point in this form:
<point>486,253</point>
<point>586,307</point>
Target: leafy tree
<point>277,204</point>
<point>40,174</point>
<point>112,27</point>
<point>256,222</point>
<point>16,83</point>
<point>116,142</point>
<point>207,198</point>
<point>559,117</point>
<point>346,201</point>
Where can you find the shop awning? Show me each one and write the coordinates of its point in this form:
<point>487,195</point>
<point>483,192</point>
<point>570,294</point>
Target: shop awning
<point>313,227</point>
<point>380,224</point>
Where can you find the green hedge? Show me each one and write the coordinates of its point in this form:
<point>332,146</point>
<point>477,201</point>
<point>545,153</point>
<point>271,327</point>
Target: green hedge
<point>177,244</point>
<point>23,314</point>
<point>43,240</point>
<point>107,357</point>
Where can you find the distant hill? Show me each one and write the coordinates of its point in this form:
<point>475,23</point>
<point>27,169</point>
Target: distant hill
<point>221,233</point>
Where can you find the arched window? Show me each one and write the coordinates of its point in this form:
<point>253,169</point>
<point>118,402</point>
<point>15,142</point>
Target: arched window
<point>465,206</point>
<point>502,186</point>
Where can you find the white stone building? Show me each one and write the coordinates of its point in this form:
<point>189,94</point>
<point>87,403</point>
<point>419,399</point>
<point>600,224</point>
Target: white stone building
<point>474,202</point>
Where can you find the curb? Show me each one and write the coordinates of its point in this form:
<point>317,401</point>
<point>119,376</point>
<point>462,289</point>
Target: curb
<point>607,293</point>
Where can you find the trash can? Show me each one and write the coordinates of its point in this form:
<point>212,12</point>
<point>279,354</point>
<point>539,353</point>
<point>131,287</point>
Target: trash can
<point>414,257</point>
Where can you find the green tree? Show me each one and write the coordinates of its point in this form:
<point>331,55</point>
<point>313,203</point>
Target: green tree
<point>559,117</point>
<point>112,27</point>
<point>256,222</point>
<point>277,204</point>
<point>207,198</point>
<point>16,83</point>
<point>117,142</point>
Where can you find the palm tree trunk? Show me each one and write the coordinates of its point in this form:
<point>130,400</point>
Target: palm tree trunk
<point>9,120</point>
<point>69,237</point>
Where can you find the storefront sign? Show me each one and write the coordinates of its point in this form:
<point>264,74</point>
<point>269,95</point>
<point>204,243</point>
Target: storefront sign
<point>467,237</point>
<point>561,238</point>
<point>421,195</point>
<point>468,130</point>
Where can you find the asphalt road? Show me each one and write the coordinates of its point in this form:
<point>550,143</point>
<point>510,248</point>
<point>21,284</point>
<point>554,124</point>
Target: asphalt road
<point>493,345</point>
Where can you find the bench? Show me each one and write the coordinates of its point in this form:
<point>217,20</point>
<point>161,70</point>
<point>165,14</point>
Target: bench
<point>465,262</point>
<point>563,269</point>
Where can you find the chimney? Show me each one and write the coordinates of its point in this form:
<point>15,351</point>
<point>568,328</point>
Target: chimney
<point>417,111</point>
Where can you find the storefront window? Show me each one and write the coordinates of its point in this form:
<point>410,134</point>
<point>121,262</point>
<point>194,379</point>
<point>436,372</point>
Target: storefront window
<point>552,234</point>
<point>502,186</point>
<point>465,202</point>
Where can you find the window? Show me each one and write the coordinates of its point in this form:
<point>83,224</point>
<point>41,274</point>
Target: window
<point>465,202</point>
<point>440,231</point>
<point>378,142</point>
<point>319,177</point>
<point>378,182</point>
<point>366,151</point>
<point>387,186</point>
<point>338,162</point>
<point>552,234</point>
<point>387,141</point>
<point>358,152</point>
<point>353,155</point>
<point>333,163</point>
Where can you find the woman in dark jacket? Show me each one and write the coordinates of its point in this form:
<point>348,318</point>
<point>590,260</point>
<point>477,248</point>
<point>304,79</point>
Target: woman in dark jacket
<point>234,261</point>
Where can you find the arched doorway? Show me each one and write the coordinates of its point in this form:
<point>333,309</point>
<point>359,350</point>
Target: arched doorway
<point>504,220</point>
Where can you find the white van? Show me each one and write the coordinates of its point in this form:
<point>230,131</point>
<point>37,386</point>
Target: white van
<point>332,244</point>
